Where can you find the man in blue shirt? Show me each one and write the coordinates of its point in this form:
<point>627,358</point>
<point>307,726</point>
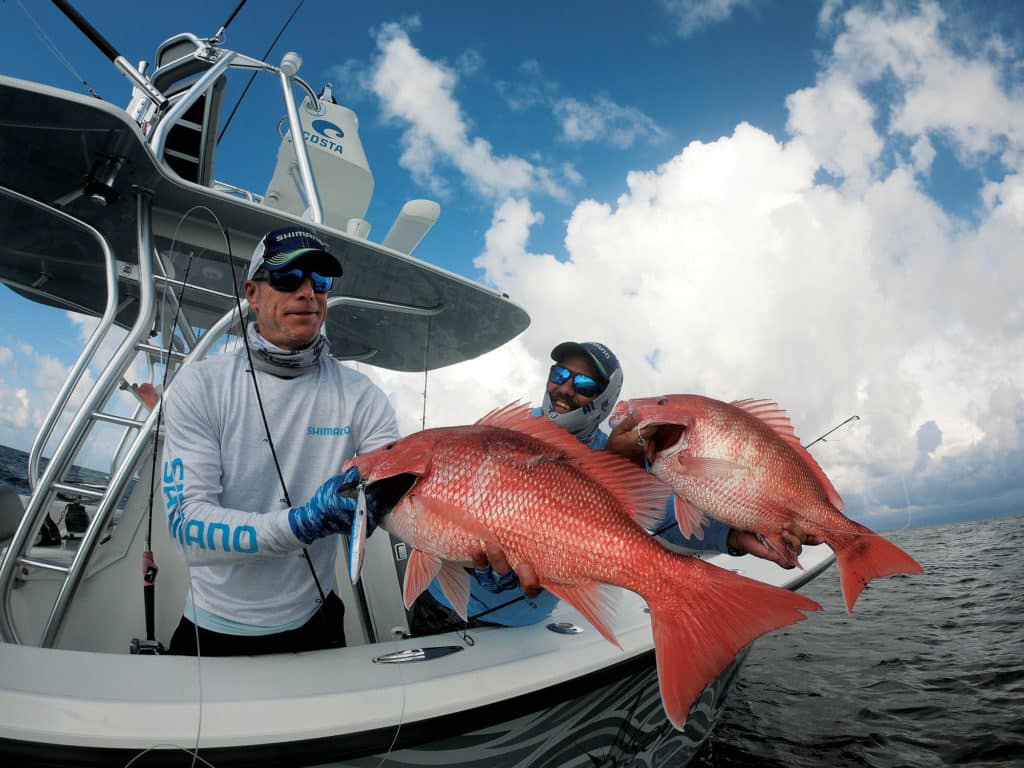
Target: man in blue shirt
<point>582,388</point>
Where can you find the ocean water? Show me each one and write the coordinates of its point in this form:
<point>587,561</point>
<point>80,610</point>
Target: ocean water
<point>14,470</point>
<point>927,671</point>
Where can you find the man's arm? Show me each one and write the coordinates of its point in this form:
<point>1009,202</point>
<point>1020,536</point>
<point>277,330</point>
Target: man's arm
<point>210,533</point>
<point>207,532</point>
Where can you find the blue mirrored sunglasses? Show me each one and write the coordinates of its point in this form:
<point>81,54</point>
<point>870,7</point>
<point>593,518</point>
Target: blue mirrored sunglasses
<point>581,383</point>
<point>289,280</point>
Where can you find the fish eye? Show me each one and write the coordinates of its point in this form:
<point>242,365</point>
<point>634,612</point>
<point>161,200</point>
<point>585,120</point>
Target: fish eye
<point>661,401</point>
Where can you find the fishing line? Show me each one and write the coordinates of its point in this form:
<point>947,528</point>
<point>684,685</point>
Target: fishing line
<point>903,480</point>
<point>252,77</point>
<point>266,427</point>
<point>394,643</point>
<point>56,52</point>
<point>668,526</point>
<point>173,746</point>
<point>158,407</point>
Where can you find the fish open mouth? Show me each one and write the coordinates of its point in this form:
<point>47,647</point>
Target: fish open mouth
<point>667,436</point>
<point>390,490</point>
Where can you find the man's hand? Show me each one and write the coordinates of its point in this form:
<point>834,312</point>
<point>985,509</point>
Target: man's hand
<point>793,536</point>
<point>630,443</point>
<point>492,571</point>
<point>332,508</point>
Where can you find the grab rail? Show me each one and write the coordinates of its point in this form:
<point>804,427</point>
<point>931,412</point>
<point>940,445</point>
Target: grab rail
<point>97,336</point>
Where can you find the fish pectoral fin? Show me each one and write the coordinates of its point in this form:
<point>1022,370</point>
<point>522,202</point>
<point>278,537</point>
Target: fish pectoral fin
<point>420,571</point>
<point>437,510</point>
<point>691,521</point>
<point>711,469</point>
<point>596,601</point>
<point>455,584</point>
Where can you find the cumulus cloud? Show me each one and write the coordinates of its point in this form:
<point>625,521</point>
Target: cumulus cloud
<point>419,94</point>
<point>32,381</point>
<point>835,121</point>
<point>693,15</point>
<point>735,269</point>
<point>935,89</point>
<point>604,120</point>
<point>598,120</point>
<point>929,437</point>
<point>27,386</point>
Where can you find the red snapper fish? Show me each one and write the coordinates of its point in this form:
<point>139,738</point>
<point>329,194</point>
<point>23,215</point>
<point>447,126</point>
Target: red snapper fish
<point>575,515</point>
<point>743,464</point>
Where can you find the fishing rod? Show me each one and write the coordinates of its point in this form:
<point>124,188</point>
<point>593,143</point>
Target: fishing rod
<point>822,438</point>
<point>108,50</point>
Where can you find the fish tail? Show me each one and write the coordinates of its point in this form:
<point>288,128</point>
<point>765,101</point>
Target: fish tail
<point>867,556</point>
<point>697,633</point>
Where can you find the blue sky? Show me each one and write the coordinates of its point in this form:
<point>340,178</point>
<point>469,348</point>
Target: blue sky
<point>817,202</point>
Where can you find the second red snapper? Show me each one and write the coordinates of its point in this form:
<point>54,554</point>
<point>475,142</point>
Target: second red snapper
<point>743,464</point>
<point>574,515</point>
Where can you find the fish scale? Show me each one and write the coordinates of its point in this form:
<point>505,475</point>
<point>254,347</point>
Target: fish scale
<point>576,516</point>
<point>742,463</point>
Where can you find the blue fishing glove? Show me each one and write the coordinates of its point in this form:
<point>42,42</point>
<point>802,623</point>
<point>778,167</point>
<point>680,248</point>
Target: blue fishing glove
<point>492,582</point>
<point>331,509</point>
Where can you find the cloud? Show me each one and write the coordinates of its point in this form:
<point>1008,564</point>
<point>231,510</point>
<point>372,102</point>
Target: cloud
<point>469,62</point>
<point>829,10</point>
<point>600,119</point>
<point>981,481</point>
<point>835,121</point>
<point>419,94</point>
<point>933,87</point>
<point>736,269</point>
<point>929,437</point>
<point>29,386</point>
<point>694,15</point>
<point>531,90</point>
<point>604,120</point>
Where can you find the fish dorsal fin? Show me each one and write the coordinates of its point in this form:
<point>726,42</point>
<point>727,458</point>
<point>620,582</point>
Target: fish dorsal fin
<point>772,414</point>
<point>642,494</point>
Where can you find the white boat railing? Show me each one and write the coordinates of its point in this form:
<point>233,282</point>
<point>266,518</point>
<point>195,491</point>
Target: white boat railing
<point>97,336</point>
<point>68,448</point>
<point>219,60</point>
<point>187,78</point>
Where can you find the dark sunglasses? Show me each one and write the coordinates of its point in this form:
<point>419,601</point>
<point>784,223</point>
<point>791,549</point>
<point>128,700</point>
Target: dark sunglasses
<point>289,280</point>
<point>581,383</point>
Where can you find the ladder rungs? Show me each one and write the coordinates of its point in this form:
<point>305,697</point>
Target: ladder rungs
<point>188,124</point>
<point>162,281</point>
<point>124,421</point>
<point>44,564</point>
<point>77,490</point>
<point>181,156</point>
<point>144,347</point>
